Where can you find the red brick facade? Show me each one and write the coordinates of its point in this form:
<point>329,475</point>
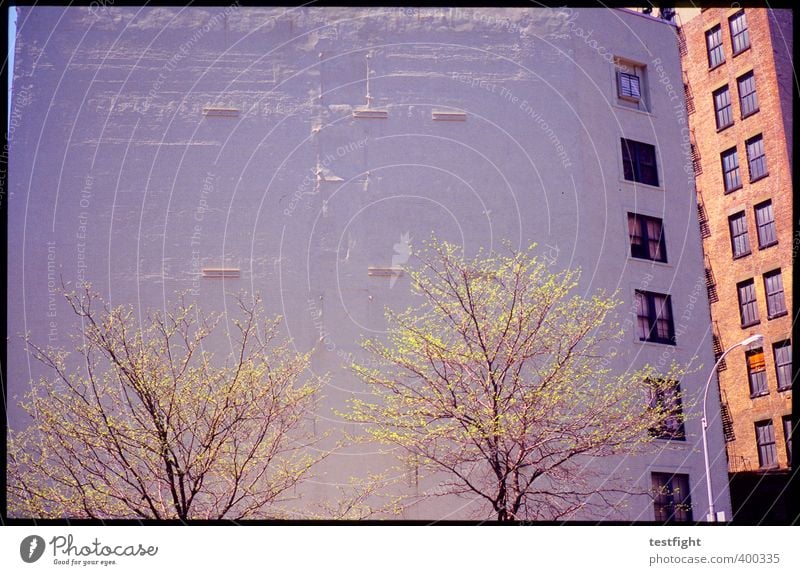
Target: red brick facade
<point>768,56</point>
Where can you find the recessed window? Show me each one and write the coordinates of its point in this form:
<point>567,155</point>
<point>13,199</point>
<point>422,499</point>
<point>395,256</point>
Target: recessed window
<point>748,100</point>
<point>716,55</point>
<point>765,440</point>
<point>739,239</point>
<point>654,317</point>
<point>647,238</point>
<point>723,108</point>
<point>639,162</point>
<point>631,84</point>
<point>665,397</point>
<point>740,37</point>
<point>748,309</point>
<point>787,437</point>
<point>756,158</point>
<point>782,352</point>
<point>765,223</point>
<point>730,170</point>
<point>773,287</point>
<point>756,372</point>
<point>672,500</point>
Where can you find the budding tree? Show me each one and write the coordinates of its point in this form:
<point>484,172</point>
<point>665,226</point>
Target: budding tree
<point>151,424</point>
<point>501,385</point>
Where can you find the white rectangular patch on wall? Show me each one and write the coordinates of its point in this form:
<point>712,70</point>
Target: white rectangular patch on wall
<point>221,112</point>
<point>220,272</point>
<point>385,272</point>
<point>365,113</point>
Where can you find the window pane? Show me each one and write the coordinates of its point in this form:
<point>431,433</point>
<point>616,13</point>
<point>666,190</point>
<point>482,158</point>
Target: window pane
<point>782,352</point>
<point>629,86</point>
<point>787,437</point>
<point>756,157</point>
<point>748,100</point>
<point>765,223</point>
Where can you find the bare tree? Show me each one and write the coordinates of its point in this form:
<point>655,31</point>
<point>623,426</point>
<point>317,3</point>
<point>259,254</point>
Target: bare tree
<point>151,424</point>
<point>501,384</point>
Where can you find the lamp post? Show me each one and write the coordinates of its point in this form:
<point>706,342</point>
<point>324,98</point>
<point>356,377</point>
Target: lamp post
<point>757,338</point>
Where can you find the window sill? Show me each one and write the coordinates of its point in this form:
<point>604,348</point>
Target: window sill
<point>777,315</point>
<point>736,189</point>
<point>659,341</point>
<point>769,245</point>
<point>760,394</point>
<point>750,113</point>
<point>746,325</point>
<point>761,177</point>
<point>715,66</point>
<point>723,128</point>
<point>649,261</point>
<point>740,256</point>
<point>635,183</point>
<point>742,51</point>
<point>619,106</point>
<point>781,389</point>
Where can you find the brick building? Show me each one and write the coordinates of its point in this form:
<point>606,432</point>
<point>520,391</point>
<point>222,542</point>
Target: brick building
<point>738,74</point>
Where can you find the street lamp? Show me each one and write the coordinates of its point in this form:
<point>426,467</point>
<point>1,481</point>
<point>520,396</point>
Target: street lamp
<point>757,338</point>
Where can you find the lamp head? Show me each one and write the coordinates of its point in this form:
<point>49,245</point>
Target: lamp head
<point>757,338</point>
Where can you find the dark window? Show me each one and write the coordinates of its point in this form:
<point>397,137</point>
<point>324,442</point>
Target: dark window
<point>765,439</point>
<point>639,162</point>
<point>756,158</point>
<point>654,316</point>
<point>782,351</point>
<point>647,238</point>
<point>665,396</point>
<point>730,170</point>
<point>748,100</point>
<point>765,223</point>
<point>722,105</point>
<point>716,55</point>
<point>739,239</point>
<point>773,287</point>
<point>672,500</point>
<point>756,372</point>
<point>748,308</point>
<point>629,86</point>
<point>740,38</point>
<point>787,437</point>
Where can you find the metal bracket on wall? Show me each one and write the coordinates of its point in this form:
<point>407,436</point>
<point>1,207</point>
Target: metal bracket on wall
<point>221,112</point>
<point>385,272</point>
<point>220,272</point>
<point>449,116</point>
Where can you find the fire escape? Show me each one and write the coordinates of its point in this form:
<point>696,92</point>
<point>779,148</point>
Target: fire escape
<point>718,349</point>
<point>702,217</point>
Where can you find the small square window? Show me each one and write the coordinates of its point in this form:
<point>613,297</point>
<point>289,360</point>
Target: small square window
<point>654,317</point>
<point>765,223</point>
<point>773,287</point>
<point>748,308</point>
<point>639,162</point>
<point>765,440</point>
<point>730,170</point>
<point>740,37</point>
<point>740,241</point>
<point>647,238</point>
<point>723,108</point>
<point>756,372</point>
<point>672,500</point>
<point>748,99</point>
<point>756,158</point>
<point>716,55</point>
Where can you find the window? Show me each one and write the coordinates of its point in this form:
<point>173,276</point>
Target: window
<point>748,308</point>
<point>748,100</point>
<point>654,317</point>
<point>787,437</point>
<point>740,37</point>
<point>782,352</point>
<point>647,238</point>
<point>773,287</point>
<point>672,500</point>
<point>665,396</point>
<point>730,170</point>
<point>716,55</point>
<point>756,158</point>
<point>639,162</point>
<point>739,239</point>
<point>765,223</point>
<point>756,372</point>
<point>628,86</point>
<point>765,439</point>
<point>631,84</point>
<point>722,105</point>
